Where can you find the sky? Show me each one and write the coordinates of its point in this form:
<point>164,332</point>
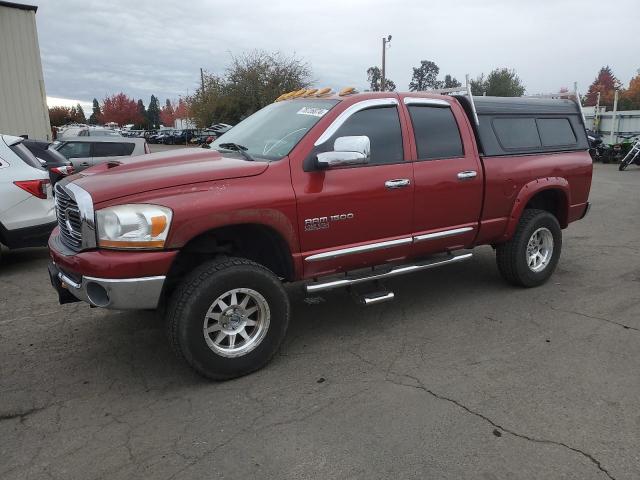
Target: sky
<point>91,49</point>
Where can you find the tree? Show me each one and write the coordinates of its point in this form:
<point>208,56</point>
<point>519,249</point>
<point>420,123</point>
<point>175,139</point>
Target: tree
<point>631,96</point>
<point>96,116</point>
<point>63,115</point>
<point>477,85</point>
<point>251,81</point>
<point>81,118</point>
<point>501,82</point>
<point>121,109</point>
<point>153,112</point>
<point>450,82</point>
<point>374,77</point>
<point>143,114</point>
<point>167,114</point>
<point>425,77</point>
<point>606,83</point>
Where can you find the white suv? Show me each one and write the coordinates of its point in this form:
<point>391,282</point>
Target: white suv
<point>27,211</point>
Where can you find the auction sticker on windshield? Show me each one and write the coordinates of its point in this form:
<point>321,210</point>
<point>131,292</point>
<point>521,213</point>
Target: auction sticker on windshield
<point>316,112</point>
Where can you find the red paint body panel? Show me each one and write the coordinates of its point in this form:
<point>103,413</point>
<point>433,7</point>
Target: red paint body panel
<point>113,263</point>
<point>206,190</point>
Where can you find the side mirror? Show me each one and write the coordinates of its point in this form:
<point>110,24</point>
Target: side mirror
<point>347,151</point>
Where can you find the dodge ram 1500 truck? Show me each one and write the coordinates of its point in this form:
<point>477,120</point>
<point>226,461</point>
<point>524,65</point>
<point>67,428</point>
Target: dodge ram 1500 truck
<point>324,189</point>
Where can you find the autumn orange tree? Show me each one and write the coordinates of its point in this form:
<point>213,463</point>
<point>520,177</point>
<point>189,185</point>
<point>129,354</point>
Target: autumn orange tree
<point>121,109</point>
<point>630,98</point>
<point>606,83</point>
<point>167,114</point>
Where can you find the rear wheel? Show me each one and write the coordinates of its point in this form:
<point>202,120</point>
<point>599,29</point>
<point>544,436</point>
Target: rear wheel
<point>228,318</point>
<point>531,256</point>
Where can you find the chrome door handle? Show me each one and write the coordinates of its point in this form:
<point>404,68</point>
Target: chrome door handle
<point>397,183</point>
<point>467,174</point>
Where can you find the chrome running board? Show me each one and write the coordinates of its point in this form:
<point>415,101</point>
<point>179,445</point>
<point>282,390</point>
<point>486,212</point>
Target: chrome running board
<point>347,280</point>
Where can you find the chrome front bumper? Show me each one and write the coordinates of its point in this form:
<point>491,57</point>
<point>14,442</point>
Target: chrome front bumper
<point>115,293</point>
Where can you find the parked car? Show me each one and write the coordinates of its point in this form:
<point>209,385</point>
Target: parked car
<point>84,152</point>
<point>331,191</point>
<point>57,165</point>
<point>87,131</point>
<point>27,213</point>
<point>182,137</point>
<point>220,128</point>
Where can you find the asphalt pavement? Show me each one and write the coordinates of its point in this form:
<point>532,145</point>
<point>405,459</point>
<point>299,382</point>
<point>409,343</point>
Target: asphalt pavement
<point>461,377</point>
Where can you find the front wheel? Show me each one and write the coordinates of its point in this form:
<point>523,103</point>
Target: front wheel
<point>531,256</point>
<point>228,318</point>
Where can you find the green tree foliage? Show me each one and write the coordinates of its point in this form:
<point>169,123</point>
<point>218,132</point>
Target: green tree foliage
<point>477,85</point>
<point>606,84</point>
<point>251,81</point>
<point>143,115</point>
<point>450,82</point>
<point>80,114</point>
<point>153,112</point>
<point>374,77</point>
<point>501,82</point>
<point>425,77</point>
<point>96,115</point>
<point>64,115</point>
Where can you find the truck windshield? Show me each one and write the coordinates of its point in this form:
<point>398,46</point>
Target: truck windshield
<point>271,133</point>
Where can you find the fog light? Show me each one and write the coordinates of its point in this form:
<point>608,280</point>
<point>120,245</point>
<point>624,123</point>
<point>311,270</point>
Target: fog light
<point>97,294</point>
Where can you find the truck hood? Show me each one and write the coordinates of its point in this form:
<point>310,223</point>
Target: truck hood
<point>143,173</point>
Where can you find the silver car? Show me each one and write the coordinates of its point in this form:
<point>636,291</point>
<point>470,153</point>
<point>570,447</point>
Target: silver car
<point>85,152</point>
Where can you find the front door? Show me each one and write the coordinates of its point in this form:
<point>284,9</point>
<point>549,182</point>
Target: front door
<point>351,217</point>
<point>79,153</point>
<point>448,177</point>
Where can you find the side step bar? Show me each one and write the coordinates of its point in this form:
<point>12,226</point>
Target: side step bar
<point>400,270</point>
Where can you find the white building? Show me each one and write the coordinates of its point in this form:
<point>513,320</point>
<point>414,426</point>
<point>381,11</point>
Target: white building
<point>23,101</point>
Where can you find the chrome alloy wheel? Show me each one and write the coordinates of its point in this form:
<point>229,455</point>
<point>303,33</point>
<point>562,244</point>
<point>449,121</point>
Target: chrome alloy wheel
<point>236,322</point>
<point>539,249</point>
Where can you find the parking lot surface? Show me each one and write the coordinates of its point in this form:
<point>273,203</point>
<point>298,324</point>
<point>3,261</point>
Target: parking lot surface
<point>461,377</point>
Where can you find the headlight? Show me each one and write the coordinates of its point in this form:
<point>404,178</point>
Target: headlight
<point>133,226</point>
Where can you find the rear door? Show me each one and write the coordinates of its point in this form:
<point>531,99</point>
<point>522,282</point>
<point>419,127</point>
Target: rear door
<point>448,176</point>
<point>104,151</point>
<point>79,153</point>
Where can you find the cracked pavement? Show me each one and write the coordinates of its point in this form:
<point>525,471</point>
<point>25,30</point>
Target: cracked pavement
<point>461,377</point>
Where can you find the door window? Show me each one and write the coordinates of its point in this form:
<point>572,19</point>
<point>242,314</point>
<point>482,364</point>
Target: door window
<point>436,132</point>
<point>112,149</point>
<point>382,126</point>
<point>76,149</point>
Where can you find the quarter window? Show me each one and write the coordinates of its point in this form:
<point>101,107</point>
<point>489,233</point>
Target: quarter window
<point>517,133</point>
<point>382,126</point>
<point>436,132</point>
<point>112,149</point>
<point>555,132</point>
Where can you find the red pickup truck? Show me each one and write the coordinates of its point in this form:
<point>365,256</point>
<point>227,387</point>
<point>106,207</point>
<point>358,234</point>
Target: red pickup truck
<point>328,190</point>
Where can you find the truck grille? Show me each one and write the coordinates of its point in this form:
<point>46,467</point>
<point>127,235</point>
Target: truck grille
<point>68,220</point>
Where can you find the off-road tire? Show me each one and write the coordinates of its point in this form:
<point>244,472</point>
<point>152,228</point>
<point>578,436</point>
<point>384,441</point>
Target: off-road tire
<point>511,256</point>
<point>193,297</point>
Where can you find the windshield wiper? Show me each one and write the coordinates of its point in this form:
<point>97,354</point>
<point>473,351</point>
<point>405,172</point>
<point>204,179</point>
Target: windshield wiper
<point>238,148</point>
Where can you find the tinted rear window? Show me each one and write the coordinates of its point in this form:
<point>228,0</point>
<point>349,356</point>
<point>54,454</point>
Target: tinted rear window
<point>26,156</point>
<point>556,132</point>
<point>112,149</point>
<point>436,132</point>
<point>517,133</point>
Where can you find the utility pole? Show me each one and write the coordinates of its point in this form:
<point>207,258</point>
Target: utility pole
<point>202,81</point>
<point>385,40</point>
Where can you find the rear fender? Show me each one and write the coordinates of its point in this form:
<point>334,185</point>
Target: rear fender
<point>528,191</point>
